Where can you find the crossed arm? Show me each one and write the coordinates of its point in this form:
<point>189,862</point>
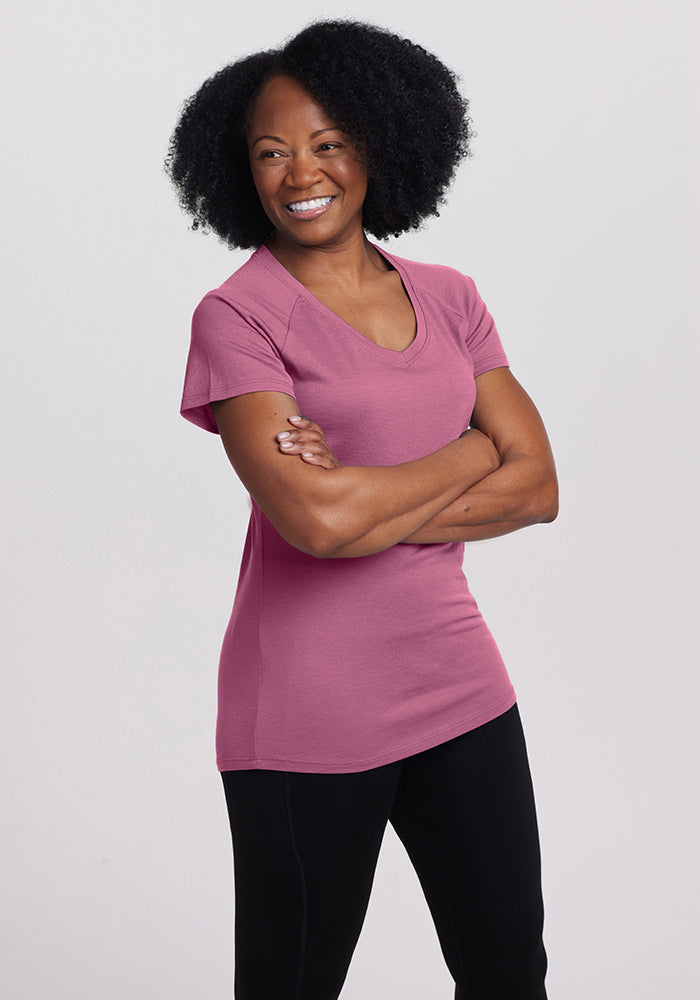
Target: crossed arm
<point>497,477</point>
<point>522,491</point>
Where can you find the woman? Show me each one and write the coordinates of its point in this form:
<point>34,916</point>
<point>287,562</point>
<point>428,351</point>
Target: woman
<point>358,683</point>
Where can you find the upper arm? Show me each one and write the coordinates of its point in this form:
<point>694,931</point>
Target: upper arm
<point>505,412</point>
<point>291,493</point>
<point>236,382</point>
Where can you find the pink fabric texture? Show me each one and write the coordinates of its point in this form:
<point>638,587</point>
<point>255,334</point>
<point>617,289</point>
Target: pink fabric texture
<point>337,665</point>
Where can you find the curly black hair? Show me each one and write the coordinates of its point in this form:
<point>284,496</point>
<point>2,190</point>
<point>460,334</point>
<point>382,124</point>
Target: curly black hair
<point>399,103</point>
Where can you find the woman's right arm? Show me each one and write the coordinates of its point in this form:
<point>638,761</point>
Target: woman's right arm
<point>347,511</point>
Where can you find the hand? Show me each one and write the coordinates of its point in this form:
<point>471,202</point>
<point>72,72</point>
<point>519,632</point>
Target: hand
<point>491,451</point>
<point>308,442</point>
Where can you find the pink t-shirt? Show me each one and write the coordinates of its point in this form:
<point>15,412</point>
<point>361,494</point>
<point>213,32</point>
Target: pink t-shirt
<point>334,665</point>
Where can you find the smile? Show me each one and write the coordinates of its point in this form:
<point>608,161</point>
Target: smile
<point>311,208</point>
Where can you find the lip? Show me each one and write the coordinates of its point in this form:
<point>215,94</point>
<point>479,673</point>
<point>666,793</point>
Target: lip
<point>311,213</point>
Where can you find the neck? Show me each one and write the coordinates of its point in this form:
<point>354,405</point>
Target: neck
<point>348,261</point>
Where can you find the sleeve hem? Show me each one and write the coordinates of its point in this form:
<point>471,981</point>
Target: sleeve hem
<point>195,407</point>
<point>488,364</point>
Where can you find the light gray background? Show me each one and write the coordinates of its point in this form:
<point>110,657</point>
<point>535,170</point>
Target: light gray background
<point>124,524</point>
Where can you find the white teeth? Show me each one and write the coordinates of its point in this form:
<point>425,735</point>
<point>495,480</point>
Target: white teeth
<point>305,206</point>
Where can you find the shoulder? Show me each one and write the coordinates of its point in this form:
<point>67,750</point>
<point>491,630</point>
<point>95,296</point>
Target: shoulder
<point>449,287</point>
<point>253,295</point>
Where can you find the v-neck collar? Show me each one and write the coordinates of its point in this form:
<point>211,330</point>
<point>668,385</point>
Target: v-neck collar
<point>399,357</point>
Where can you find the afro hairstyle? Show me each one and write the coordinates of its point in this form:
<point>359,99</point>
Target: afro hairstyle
<point>397,102</point>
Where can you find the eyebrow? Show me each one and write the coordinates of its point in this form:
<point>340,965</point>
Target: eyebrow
<point>314,135</point>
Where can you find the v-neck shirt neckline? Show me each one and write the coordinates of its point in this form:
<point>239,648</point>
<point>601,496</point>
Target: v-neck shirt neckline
<point>401,357</point>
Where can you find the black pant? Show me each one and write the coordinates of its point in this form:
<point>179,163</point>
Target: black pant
<point>305,850</point>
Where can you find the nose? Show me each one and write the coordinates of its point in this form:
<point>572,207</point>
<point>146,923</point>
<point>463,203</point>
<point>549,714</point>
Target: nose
<point>303,170</point>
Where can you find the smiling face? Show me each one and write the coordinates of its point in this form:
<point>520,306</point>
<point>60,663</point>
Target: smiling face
<point>310,178</point>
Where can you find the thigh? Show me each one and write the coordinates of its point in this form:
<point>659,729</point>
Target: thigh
<point>305,850</point>
<point>465,812</point>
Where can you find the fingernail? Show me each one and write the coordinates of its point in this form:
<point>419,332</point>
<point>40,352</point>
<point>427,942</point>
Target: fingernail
<point>294,419</point>
<point>283,434</point>
<point>287,444</point>
<point>307,454</point>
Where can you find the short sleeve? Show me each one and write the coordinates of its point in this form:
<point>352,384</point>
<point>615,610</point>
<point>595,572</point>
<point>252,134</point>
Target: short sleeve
<point>230,354</point>
<point>482,339</point>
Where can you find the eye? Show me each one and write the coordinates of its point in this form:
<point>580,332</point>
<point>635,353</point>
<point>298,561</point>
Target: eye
<point>269,154</point>
<point>327,146</point>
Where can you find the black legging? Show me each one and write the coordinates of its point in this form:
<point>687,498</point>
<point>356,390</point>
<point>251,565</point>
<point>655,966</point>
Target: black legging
<point>305,850</point>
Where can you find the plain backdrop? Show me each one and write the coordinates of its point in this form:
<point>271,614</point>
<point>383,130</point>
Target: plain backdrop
<point>124,525</point>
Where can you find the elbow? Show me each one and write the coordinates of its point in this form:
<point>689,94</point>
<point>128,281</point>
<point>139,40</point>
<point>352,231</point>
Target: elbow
<point>550,514</point>
<point>536,496</point>
<point>316,532</point>
<point>332,538</point>
<point>321,545</point>
<point>313,539</point>
<point>327,541</point>
<point>326,524</point>
<point>540,502</point>
<point>334,520</point>
<point>547,506</point>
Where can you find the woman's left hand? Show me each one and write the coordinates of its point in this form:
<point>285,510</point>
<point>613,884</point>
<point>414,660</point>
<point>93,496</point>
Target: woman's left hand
<point>308,441</point>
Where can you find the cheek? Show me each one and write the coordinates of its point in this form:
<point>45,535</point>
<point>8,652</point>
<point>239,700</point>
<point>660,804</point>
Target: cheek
<point>356,178</point>
<point>262,184</point>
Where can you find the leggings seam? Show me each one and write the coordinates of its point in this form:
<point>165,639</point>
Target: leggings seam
<point>304,894</point>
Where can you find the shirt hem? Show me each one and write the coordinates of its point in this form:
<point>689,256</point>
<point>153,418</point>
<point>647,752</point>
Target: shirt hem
<point>341,767</point>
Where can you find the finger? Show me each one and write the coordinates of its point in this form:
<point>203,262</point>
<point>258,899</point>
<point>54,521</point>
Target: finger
<point>305,423</point>
<point>295,446</point>
<point>295,443</point>
<point>290,446</point>
<point>319,455</point>
<point>306,434</point>
<point>322,461</point>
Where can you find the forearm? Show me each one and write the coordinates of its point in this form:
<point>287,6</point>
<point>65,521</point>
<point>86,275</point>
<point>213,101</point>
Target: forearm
<point>365,510</point>
<point>522,491</point>
<point>370,509</point>
<point>340,511</point>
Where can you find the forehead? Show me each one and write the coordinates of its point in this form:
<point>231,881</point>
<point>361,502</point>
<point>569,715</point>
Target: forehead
<point>284,103</point>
